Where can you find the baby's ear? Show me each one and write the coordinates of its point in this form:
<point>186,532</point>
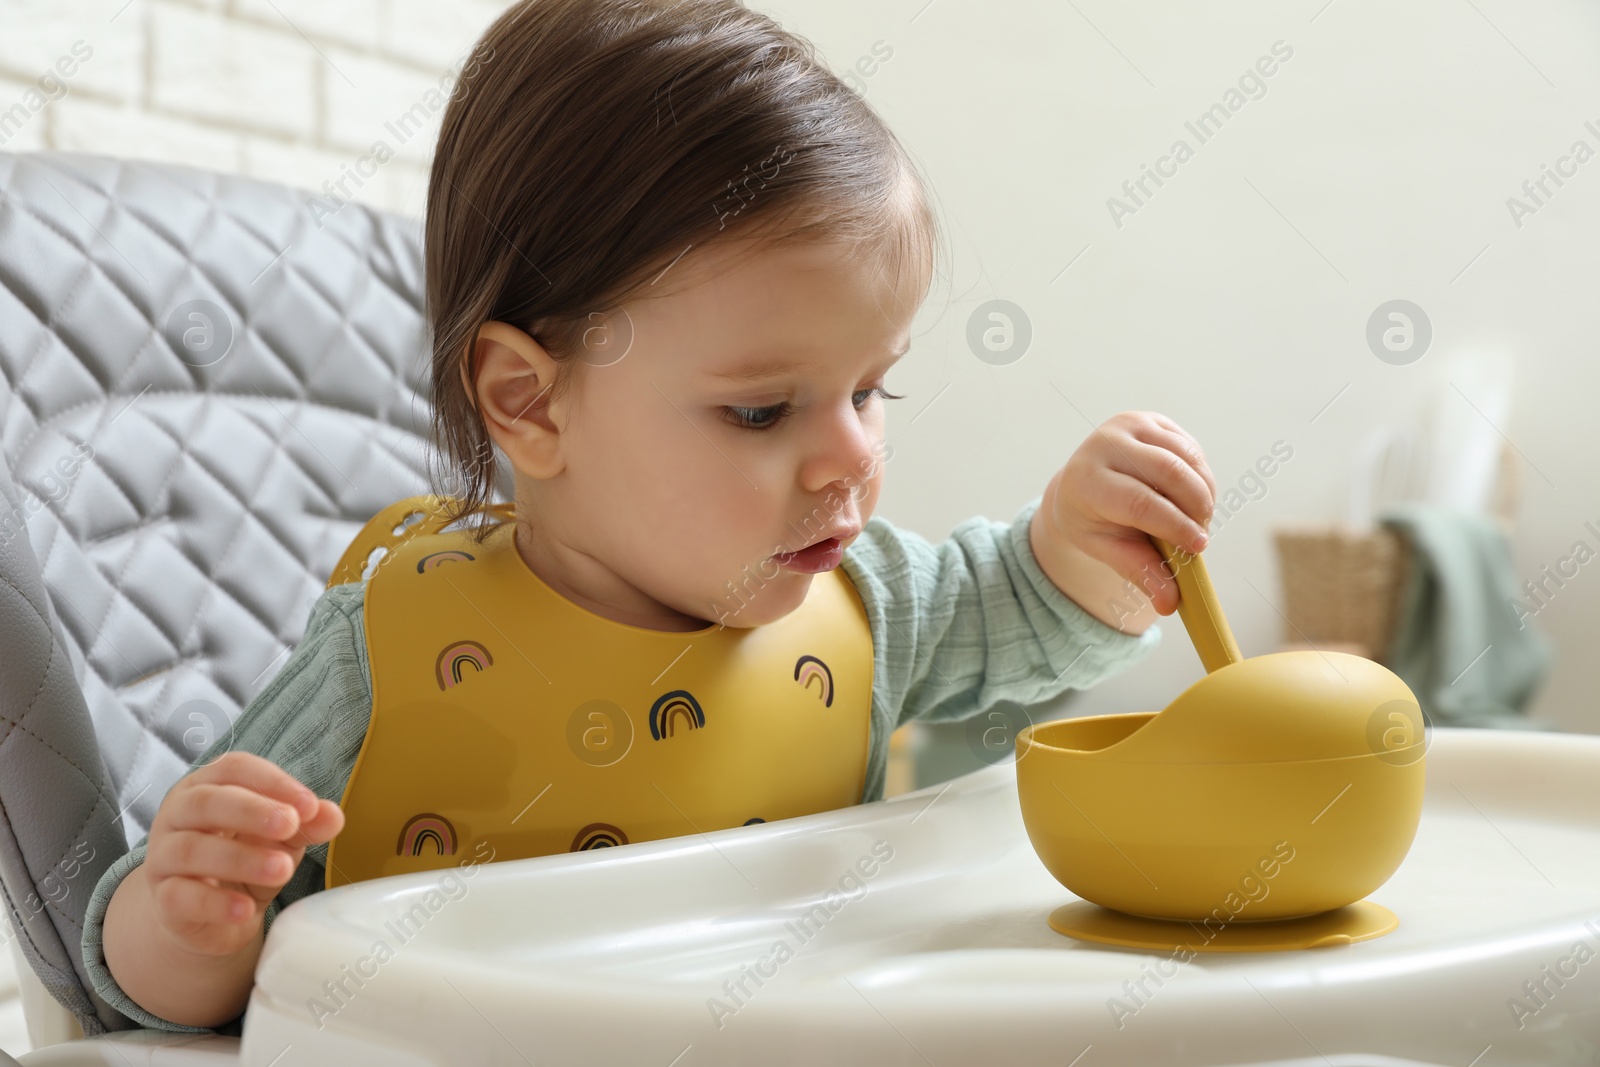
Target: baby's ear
<point>512,392</point>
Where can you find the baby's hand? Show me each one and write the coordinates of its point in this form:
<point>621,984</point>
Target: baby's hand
<point>1137,474</point>
<point>225,840</point>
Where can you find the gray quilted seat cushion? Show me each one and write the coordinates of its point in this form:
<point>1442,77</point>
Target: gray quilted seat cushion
<point>204,391</point>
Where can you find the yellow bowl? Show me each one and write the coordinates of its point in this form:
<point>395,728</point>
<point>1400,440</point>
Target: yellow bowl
<point>1277,787</point>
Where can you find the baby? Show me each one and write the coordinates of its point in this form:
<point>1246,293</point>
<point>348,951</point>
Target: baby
<point>670,259</point>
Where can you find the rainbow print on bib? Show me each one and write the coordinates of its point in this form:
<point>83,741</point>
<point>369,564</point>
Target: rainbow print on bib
<point>670,709</point>
<point>447,669</point>
<point>433,559</point>
<point>598,835</point>
<point>427,829</point>
<point>808,667</point>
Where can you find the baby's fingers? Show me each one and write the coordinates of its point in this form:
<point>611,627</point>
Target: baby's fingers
<point>258,774</point>
<point>323,826</point>
<point>197,854</point>
<point>187,903</point>
<point>228,808</point>
<point>1130,501</point>
<point>1174,480</point>
<point>320,828</point>
<point>1136,559</point>
<point>1173,437</point>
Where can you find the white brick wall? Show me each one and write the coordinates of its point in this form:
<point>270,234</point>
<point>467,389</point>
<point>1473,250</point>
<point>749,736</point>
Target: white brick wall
<point>296,91</point>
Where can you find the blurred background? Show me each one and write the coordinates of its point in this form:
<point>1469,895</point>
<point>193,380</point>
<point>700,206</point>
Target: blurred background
<point>1349,245</point>
<point>1351,248</point>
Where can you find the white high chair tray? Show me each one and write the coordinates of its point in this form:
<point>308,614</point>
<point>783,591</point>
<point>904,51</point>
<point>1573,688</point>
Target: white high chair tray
<point>621,956</point>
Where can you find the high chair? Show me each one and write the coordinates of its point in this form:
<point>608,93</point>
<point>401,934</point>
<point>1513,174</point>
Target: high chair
<point>205,389</point>
<point>151,583</point>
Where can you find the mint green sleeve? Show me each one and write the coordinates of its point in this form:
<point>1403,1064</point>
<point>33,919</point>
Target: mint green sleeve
<point>960,626</point>
<point>310,720</point>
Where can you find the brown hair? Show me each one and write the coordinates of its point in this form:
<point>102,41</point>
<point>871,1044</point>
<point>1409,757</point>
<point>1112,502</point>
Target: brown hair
<point>591,142</point>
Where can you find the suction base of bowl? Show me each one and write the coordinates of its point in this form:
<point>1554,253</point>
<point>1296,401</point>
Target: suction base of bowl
<point>1360,921</point>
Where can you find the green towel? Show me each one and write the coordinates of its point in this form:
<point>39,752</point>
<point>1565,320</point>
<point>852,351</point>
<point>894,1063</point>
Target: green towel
<point>1459,642</point>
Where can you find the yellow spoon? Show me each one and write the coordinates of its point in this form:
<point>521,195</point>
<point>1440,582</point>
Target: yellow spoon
<point>1198,607</point>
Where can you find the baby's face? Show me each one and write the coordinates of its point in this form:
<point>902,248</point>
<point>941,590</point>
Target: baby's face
<point>741,423</point>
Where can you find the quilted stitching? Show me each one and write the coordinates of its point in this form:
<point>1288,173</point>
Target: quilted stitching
<point>127,364</point>
<point>181,558</point>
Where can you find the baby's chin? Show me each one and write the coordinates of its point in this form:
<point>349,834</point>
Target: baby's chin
<point>755,606</point>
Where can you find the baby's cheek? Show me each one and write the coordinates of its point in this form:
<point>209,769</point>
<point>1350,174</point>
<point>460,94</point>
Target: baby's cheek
<point>867,492</point>
<point>691,531</point>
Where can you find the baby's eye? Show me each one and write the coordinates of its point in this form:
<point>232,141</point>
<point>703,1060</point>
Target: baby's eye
<point>768,417</point>
<point>879,391</point>
<point>759,418</point>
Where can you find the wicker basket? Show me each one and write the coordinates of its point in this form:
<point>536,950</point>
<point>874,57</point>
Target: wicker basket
<point>1341,589</point>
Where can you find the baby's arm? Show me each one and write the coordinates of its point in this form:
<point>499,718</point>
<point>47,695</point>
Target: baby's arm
<point>184,929</point>
<point>972,621</point>
<point>309,721</point>
<point>982,618</point>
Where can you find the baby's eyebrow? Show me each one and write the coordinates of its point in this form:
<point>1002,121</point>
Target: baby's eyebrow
<point>761,370</point>
<point>773,367</point>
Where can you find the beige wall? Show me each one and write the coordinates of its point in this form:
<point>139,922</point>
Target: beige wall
<point>1376,166</point>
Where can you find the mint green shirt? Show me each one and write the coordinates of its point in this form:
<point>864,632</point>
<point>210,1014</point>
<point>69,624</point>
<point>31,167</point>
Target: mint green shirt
<point>956,628</point>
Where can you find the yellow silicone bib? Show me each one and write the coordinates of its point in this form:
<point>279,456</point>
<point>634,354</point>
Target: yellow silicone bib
<point>509,722</point>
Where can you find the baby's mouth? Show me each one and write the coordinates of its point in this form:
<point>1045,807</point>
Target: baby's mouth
<point>822,556</point>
